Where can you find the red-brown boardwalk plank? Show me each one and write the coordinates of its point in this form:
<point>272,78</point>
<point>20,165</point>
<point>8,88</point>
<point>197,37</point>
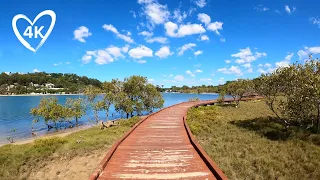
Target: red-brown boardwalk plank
<point>160,146</point>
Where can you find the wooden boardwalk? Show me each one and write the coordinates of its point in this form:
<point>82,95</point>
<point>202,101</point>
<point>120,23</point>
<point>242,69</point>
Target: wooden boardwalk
<point>161,146</point>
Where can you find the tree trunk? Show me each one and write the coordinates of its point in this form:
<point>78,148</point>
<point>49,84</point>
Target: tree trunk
<point>127,115</point>
<point>318,119</point>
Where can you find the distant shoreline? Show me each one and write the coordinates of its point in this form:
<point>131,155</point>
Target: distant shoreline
<point>41,95</point>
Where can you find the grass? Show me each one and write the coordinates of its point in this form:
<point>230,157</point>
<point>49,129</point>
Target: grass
<point>17,161</point>
<point>247,143</point>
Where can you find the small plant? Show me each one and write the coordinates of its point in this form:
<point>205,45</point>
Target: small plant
<point>10,138</point>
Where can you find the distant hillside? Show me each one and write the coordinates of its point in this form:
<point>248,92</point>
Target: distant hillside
<point>16,83</point>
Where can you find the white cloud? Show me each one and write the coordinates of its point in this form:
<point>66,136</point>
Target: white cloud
<point>125,48</point>
<point>133,14</point>
<point>190,73</point>
<point>267,65</point>
<point>204,18</point>
<point>262,71</point>
<point>204,38</point>
<point>179,78</point>
<point>221,80</point>
<point>163,52</point>
<point>200,3</point>
<point>102,57</point>
<point>57,64</point>
<point>81,33</point>
<point>304,53</point>
<point>155,12</point>
<point>198,71</point>
<point>146,33</point>
<point>141,61</point>
<point>227,61</point>
<point>68,62</point>
<point>285,62</point>
<point>316,21</point>
<point>198,53</point>
<point>185,47</point>
<point>177,15</point>
<point>173,30</point>
<point>247,65</point>
<point>215,27</point>
<point>232,70</point>
<point>261,8</point>
<point>159,39</point>
<point>111,28</point>
<point>246,56</point>
<point>222,39</point>
<point>115,51</point>
<point>288,10</point>
<point>141,51</point>
<point>36,71</point>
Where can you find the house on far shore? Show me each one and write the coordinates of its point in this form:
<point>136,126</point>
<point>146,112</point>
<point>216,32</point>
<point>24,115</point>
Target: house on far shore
<point>49,85</point>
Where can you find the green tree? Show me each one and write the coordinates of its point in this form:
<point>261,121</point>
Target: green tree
<point>152,98</point>
<point>76,108</point>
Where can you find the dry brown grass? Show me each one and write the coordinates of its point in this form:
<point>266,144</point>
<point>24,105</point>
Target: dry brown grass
<point>246,143</point>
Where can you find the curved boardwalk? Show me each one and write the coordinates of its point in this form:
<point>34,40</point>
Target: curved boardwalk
<point>160,147</point>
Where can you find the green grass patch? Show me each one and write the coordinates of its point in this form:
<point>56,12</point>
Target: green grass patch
<point>17,161</point>
<point>247,143</point>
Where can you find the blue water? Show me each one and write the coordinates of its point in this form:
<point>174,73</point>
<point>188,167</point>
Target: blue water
<point>15,113</point>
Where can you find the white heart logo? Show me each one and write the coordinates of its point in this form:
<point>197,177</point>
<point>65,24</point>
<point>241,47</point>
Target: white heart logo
<point>21,39</point>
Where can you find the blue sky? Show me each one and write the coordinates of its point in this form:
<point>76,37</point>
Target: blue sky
<point>189,42</point>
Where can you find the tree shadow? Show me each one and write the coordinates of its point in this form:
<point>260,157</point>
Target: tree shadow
<point>270,128</point>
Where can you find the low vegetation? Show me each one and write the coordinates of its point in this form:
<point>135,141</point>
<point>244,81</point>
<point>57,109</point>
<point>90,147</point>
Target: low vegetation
<point>249,143</point>
<point>18,161</point>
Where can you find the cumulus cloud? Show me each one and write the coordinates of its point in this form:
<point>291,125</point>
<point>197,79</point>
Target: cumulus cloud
<point>261,8</point>
<point>36,70</point>
<point>304,53</point>
<point>146,33</point>
<point>185,47</point>
<point>163,52</point>
<point>198,53</point>
<point>111,28</point>
<point>155,12</point>
<point>190,73</point>
<point>227,61</point>
<point>141,61</point>
<point>102,57</point>
<point>315,21</point>
<point>215,27</point>
<point>198,71</point>
<point>232,70</point>
<point>246,56</point>
<point>81,33</point>
<point>288,10</point>
<point>200,3</point>
<point>141,51</point>
<point>204,18</point>
<point>204,38</point>
<point>285,62</point>
<point>178,16</point>
<point>159,39</point>
<point>173,30</point>
<point>179,78</point>
<point>115,51</point>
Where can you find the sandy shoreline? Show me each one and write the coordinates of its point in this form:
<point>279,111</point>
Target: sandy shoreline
<point>60,133</point>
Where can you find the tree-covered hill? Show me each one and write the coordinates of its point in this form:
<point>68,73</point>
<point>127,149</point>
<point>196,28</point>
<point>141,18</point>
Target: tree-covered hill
<point>28,81</point>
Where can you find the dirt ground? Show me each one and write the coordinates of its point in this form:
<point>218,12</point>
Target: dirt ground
<point>79,167</point>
